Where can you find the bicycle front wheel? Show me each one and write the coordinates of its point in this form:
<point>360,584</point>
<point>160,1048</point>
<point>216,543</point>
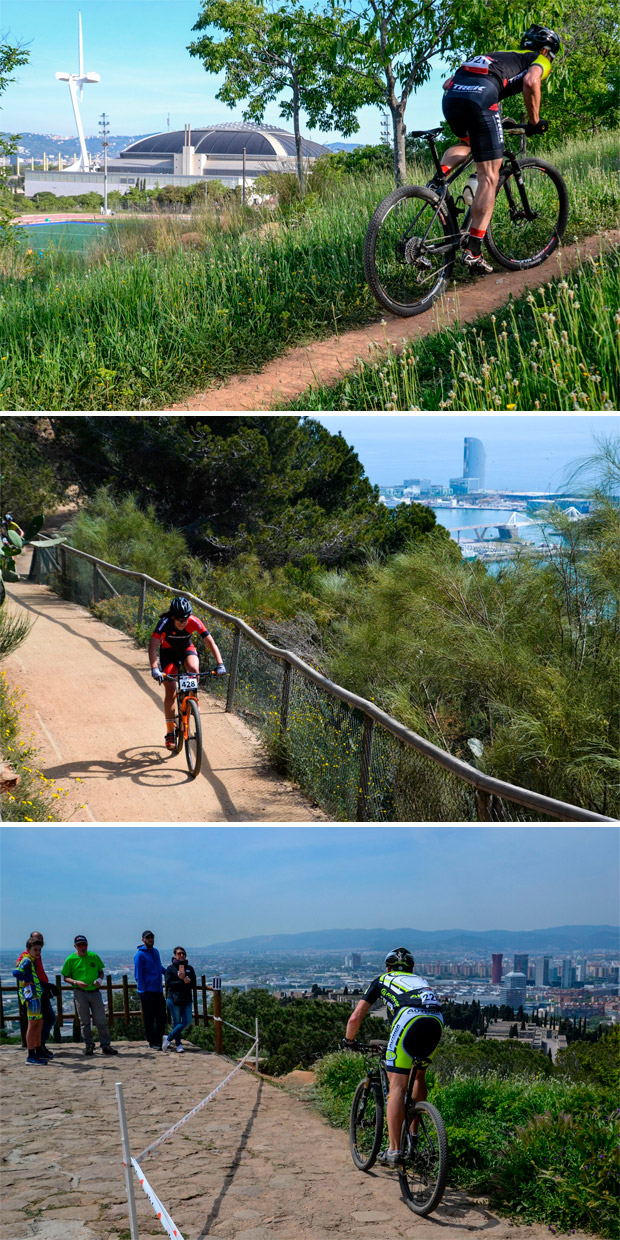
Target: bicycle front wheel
<point>424,1166</point>
<point>193,740</point>
<point>409,250</point>
<point>529,219</point>
<point>366,1124</point>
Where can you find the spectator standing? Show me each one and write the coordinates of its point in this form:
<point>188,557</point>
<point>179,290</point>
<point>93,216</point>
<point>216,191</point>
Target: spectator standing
<point>180,981</point>
<point>148,972</point>
<point>83,970</point>
<point>48,991</point>
<point>30,992</point>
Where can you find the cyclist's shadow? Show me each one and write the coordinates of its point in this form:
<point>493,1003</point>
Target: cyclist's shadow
<point>150,767</point>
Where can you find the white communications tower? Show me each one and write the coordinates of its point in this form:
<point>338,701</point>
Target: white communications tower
<point>75,80</point>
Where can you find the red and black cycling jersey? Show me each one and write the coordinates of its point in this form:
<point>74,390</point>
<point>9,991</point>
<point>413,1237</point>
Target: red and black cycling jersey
<point>505,69</point>
<point>176,642</point>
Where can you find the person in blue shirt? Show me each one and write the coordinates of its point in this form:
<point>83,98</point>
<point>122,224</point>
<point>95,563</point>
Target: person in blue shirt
<point>148,972</point>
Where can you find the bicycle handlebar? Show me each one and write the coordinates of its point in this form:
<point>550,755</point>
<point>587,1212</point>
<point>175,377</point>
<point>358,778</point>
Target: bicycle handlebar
<point>369,1048</point>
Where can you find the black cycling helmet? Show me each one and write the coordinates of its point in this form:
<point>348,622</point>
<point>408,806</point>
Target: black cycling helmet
<point>400,956</point>
<point>180,608</point>
<point>538,37</point>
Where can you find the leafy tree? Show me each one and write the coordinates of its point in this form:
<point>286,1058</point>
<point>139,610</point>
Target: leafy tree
<point>583,93</point>
<point>593,1062</point>
<point>270,48</point>
<point>33,477</point>
<point>12,56</point>
<point>279,488</point>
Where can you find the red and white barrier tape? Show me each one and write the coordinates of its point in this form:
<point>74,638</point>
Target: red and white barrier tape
<point>166,1221</point>
<point>149,1149</point>
<point>219,1020</point>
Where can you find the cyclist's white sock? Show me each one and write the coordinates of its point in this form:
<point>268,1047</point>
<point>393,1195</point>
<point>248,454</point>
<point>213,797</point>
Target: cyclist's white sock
<point>170,725</point>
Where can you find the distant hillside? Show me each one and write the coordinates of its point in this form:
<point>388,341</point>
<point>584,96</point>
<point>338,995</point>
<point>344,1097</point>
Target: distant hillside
<point>554,939</point>
<point>35,145</point>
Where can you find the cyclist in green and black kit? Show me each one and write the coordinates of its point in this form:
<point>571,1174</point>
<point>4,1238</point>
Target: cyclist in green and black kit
<point>417,1025</point>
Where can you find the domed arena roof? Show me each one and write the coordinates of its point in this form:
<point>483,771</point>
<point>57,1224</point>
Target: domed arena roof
<point>264,141</point>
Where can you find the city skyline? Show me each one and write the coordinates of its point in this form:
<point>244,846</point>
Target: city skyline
<point>523,452</point>
<point>284,880</point>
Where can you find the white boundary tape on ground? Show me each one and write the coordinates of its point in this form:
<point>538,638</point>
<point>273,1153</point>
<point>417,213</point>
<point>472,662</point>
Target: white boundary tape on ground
<point>166,1221</point>
<point>149,1149</point>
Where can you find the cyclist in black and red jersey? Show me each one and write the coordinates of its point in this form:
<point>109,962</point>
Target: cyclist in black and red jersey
<point>171,647</point>
<point>471,106</point>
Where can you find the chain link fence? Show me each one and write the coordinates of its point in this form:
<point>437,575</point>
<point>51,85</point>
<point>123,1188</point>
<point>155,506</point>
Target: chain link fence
<point>358,763</point>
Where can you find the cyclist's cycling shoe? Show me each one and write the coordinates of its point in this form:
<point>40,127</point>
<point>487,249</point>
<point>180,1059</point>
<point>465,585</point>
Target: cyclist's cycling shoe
<point>390,1159</point>
<point>169,740</point>
<point>476,263</point>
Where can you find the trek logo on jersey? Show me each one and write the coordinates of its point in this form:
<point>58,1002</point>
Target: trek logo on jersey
<point>466,89</point>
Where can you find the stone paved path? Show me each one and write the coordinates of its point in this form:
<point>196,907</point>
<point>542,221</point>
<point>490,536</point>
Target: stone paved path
<point>256,1163</point>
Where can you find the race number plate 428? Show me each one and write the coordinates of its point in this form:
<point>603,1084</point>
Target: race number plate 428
<point>187,682</point>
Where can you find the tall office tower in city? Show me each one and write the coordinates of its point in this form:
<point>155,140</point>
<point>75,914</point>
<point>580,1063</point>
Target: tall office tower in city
<point>520,964</point>
<point>567,974</point>
<point>475,461</point>
<point>496,973</point>
<point>542,971</point>
<point>513,990</point>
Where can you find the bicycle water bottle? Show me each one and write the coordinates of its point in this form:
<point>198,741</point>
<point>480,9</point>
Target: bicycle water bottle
<point>469,190</point>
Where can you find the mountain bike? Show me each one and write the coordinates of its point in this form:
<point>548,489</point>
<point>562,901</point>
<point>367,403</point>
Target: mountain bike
<point>423,1165</point>
<point>415,234</point>
<point>187,723</point>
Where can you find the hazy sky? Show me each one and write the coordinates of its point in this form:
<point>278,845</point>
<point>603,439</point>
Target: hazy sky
<point>523,452</point>
<point>204,884</point>
<point>139,49</point>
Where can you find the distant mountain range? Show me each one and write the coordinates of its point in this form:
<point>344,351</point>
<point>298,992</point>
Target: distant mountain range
<point>36,145</point>
<point>555,939</point>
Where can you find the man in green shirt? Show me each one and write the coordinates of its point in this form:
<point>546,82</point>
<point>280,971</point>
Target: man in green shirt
<point>83,970</point>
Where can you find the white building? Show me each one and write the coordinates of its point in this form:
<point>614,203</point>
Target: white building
<point>183,157</point>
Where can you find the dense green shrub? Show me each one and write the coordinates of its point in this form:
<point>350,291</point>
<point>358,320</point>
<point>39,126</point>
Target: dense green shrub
<point>597,1062</point>
<point>119,531</point>
<point>35,798</point>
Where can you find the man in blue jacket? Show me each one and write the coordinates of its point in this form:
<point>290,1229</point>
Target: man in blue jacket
<point>148,972</point>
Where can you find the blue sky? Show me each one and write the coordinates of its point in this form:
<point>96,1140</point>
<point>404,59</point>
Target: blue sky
<point>205,884</point>
<point>530,453</point>
<point>139,49</point>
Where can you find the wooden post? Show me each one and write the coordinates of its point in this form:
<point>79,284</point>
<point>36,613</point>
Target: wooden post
<point>232,674</point>
<point>110,1001</point>
<point>142,600</point>
<point>286,697</point>
<point>483,805</point>
<point>217,1024</point>
<point>125,999</point>
<point>203,987</point>
<point>363,798</point>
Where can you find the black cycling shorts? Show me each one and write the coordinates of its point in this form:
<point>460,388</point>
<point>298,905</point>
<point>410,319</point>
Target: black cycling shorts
<point>471,109</point>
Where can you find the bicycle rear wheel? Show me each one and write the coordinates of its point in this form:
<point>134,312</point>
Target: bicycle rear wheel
<point>409,250</point>
<point>424,1167</point>
<point>366,1124</point>
<point>529,220</point>
<point>193,740</point>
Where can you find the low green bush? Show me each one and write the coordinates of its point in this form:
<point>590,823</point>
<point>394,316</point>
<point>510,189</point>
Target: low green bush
<point>35,798</point>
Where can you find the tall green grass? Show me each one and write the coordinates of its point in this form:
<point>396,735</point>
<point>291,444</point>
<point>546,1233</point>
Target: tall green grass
<point>557,348</point>
<point>138,331</point>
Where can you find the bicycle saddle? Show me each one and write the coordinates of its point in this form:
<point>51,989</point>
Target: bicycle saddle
<point>424,133</point>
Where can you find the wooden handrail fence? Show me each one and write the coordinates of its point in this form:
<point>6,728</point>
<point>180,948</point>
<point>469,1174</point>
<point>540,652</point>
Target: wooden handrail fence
<point>489,792</point>
<point>126,1013</point>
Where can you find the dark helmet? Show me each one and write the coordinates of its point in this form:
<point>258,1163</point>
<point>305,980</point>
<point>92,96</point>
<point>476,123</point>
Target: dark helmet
<point>538,37</point>
<point>180,608</point>
<point>401,958</point>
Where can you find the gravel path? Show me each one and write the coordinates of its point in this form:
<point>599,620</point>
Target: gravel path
<point>256,1163</point>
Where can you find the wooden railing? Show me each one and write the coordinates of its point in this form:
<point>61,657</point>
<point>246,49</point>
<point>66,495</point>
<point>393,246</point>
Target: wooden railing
<point>127,1012</point>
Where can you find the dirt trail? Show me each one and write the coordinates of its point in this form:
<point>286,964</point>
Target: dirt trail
<point>257,1163</point>
<point>327,361</point>
<point>96,717</point>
